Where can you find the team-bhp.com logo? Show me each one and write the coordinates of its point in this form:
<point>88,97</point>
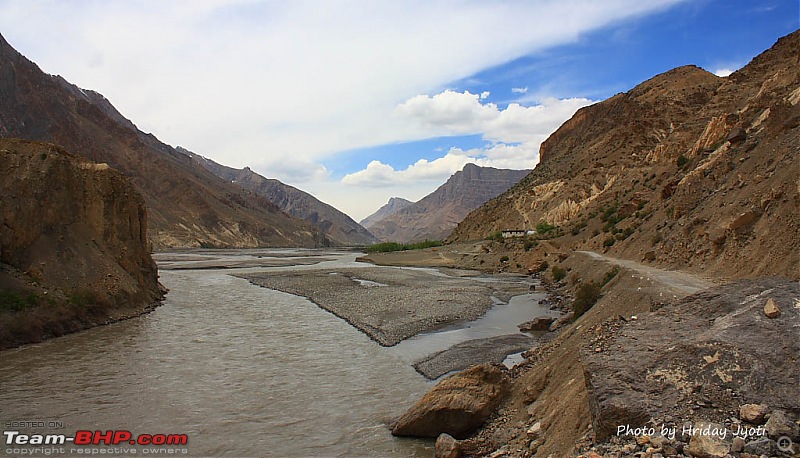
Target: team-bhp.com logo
<point>83,437</point>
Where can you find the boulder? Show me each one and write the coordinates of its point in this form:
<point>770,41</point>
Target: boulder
<point>457,405</point>
<point>753,413</point>
<point>694,353</point>
<point>711,445</point>
<point>447,447</point>
<point>771,309</point>
<point>541,323</point>
<point>781,424</point>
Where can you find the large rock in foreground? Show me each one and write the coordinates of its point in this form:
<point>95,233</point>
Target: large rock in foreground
<point>457,405</point>
<point>699,358</point>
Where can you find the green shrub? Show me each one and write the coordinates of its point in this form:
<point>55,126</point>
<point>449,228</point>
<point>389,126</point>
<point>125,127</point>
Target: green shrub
<point>559,273</point>
<point>544,266</point>
<point>609,242</point>
<point>610,275</point>
<point>655,238</point>
<point>530,243</point>
<point>12,301</point>
<point>387,247</point>
<point>544,227</point>
<point>682,161</point>
<point>504,259</point>
<point>585,297</point>
<point>497,236</point>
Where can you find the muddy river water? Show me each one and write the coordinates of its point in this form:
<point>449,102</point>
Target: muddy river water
<point>241,370</point>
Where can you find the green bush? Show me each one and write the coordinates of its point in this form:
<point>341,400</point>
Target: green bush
<point>544,227</point>
<point>609,242</point>
<point>544,266</point>
<point>586,296</point>
<point>11,301</point>
<point>504,259</point>
<point>387,247</point>
<point>610,275</point>
<point>497,236</point>
<point>559,273</point>
<point>682,161</point>
<point>530,243</point>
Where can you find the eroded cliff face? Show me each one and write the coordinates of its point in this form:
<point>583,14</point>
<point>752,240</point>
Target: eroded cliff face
<point>687,170</point>
<point>74,237</point>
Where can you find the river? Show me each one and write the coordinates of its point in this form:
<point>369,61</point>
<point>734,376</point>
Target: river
<point>241,370</point>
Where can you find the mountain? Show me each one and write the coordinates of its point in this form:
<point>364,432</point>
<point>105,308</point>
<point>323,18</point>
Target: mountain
<point>394,205</point>
<point>188,206</point>
<point>333,224</point>
<point>687,170</point>
<point>73,250</point>
<point>435,215</point>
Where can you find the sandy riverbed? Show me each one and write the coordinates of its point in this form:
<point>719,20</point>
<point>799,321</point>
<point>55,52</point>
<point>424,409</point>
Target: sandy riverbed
<point>390,305</point>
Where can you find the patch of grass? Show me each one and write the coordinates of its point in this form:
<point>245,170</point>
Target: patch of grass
<point>387,247</point>
<point>497,236</point>
<point>559,273</point>
<point>585,297</point>
<point>544,227</point>
<point>12,301</point>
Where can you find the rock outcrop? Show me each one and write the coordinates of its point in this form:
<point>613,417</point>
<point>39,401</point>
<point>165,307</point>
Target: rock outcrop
<point>457,405</point>
<point>434,216</point>
<point>73,244</point>
<point>187,205</point>
<point>334,225</point>
<point>701,357</point>
<point>687,170</point>
<point>394,205</point>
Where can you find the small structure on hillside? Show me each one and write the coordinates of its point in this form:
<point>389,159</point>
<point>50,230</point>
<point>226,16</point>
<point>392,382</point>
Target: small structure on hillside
<point>509,233</point>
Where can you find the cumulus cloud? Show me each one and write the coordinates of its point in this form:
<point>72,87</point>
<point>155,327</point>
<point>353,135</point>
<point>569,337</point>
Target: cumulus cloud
<point>519,90</point>
<point>238,80</point>
<point>723,72</point>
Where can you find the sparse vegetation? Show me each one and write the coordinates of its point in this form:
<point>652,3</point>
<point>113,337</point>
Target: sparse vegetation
<point>655,239</point>
<point>559,273</point>
<point>497,236</point>
<point>12,301</point>
<point>387,247</point>
<point>530,243</point>
<point>544,228</point>
<point>504,259</point>
<point>610,275</point>
<point>610,241</point>
<point>585,297</point>
<point>682,161</point>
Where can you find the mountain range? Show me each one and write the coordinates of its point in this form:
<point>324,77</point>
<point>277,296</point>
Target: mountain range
<point>687,170</point>
<point>188,206</point>
<point>337,227</point>
<point>434,216</point>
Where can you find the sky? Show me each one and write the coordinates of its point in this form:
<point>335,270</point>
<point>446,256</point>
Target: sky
<point>357,101</point>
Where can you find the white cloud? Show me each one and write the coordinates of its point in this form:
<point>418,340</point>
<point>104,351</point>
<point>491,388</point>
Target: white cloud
<point>241,80</point>
<point>485,94</point>
<point>519,90</point>
<point>723,72</point>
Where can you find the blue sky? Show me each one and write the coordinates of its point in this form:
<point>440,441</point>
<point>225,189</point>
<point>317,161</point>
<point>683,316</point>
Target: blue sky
<point>358,101</point>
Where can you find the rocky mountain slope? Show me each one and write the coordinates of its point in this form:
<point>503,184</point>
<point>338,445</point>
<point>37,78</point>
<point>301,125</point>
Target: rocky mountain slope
<point>73,245</point>
<point>394,205</point>
<point>339,228</point>
<point>188,206</point>
<point>435,215</point>
<point>687,170</point>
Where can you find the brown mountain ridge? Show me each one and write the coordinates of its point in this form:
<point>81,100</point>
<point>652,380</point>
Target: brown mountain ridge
<point>434,216</point>
<point>687,170</point>
<point>188,206</point>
